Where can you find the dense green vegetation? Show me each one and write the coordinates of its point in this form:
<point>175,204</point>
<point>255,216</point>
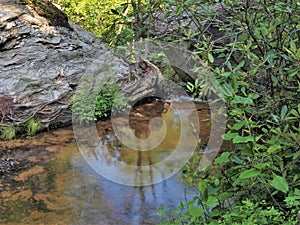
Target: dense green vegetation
<point>95,102</point>
<point>258,67</point>
<point>107,19</point>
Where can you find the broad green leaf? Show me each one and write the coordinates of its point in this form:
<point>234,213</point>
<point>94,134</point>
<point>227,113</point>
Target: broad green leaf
<point>249,173</point>
<point>254,96</point>
<point>196,211</point>
<point>247,151</point>
<point>224,196</point>
<point>261,165</point>
<point>280,184</point>
<point>211,189</point>
<point>241,139</point>
<point>202,186</point>
<point>238,125</point>
<point>243,89</point>
<point>212,201</point>
<point>275,118</point>
<point>295,113</point>
<point>226,74</point>
<point>229,136</point>
<point>242,100</point>
<point>223,158</point>
<point>236,111</point>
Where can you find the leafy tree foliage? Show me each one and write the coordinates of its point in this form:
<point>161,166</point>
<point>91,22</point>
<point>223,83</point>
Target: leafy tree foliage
<point>108,19</point>
<point>259,75</point>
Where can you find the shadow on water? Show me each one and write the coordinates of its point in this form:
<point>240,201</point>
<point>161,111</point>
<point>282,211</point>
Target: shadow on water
<point>47,181</point>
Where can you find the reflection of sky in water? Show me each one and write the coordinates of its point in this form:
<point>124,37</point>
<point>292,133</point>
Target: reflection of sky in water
<point>126,204</point>
<point>176,118</point>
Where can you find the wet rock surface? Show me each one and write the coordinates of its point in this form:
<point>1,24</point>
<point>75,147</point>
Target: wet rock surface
<point>41,65</point>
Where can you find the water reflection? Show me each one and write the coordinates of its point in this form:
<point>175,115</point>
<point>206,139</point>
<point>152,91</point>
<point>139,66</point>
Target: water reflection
<point>65,190</point>
<point>58,187</point>
<point>151,145</point>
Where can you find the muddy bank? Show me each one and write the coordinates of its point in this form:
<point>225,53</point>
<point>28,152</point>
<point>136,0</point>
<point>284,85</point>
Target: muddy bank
<point>23,154</point>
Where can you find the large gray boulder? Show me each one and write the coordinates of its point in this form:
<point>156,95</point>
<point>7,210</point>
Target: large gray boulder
<point>42,59</point>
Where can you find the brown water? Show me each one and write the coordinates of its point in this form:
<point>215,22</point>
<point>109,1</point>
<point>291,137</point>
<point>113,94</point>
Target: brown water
<point>50,182</point>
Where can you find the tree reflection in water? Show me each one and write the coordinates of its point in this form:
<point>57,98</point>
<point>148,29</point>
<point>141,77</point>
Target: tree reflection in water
<point>63,189</point>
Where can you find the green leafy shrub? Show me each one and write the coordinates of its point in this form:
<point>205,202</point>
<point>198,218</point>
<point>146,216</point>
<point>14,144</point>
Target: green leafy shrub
<point>92,104</point>
<point>260,79</point>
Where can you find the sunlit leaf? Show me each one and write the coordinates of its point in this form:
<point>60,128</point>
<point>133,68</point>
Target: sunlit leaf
<point>280,184</point>
<point>210,57</point>
<point>178,10</point>
<point>229,136</point>
<point>223,158</point>
<point>242,139</point>
<point>196,211</point>
<point>212,201</point>
<point>242,100</point>
<point>249,173</point>
<point>238,125</point>
<point>274,148</point>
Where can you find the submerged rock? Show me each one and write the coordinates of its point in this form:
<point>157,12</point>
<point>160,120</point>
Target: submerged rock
<point>42,61</point>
